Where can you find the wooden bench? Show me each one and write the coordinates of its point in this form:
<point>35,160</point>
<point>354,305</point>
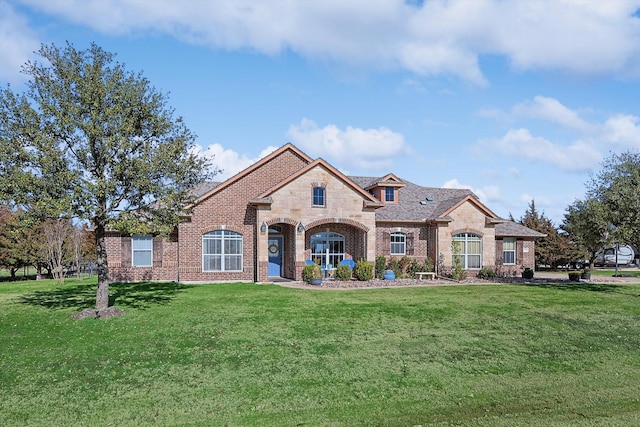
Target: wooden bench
<point>430,275</point>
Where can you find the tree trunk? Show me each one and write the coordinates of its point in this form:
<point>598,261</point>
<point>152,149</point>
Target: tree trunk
<point>102,294</point>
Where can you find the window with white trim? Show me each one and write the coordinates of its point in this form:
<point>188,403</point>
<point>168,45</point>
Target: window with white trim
<point>509,251</point>
<point>398,243</point>
<point>222,251</point>
<point>327,248</point>
<point>318,196</point>
<point>468,252</point>
<point>142,250</point>
<point>389,194</point>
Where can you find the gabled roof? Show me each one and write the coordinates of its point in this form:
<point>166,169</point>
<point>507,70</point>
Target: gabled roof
<point>474,201</point>
<point>369,199</point>
<point>220,186</point>
<point>389,180</point>
<point>420,204</point>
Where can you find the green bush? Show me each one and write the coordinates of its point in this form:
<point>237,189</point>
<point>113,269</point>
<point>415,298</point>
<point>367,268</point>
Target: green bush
<point>381,263</point>
<point>311,271</point>
<point>343,272</point>
<point>486,274</point>
<point>363,271</point>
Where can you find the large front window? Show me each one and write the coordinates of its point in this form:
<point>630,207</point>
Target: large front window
<point>327,248</point>
<point>222,251</point>
<point>142,250</point>
<point>398,244</point>
<point>467,251</point>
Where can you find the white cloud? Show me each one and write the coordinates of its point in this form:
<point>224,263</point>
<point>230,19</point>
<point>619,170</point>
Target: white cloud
<point>520,143</point>
<point>487,194</point>
<point>552,110</point>
<point>622,131</point>
<point>229,161</point>
<point>369,149</point>
<point>17,43</point>
<point>438,37</point>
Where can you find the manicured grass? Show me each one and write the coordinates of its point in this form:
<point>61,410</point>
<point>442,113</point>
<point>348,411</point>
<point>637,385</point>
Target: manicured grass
<point>628,272</point>
<point>263,355</point>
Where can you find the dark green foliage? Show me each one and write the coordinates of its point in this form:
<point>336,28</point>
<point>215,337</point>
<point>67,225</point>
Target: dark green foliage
<point>91,140</point>
<point>363,270</point>
<point>486,274</point>
<point>416,266</point>
<point>343,272</point>
<point>555,249</point>
<point>527,273</point>
<point>586,224</point>
<point>616,187</point>
<point>381,263</point>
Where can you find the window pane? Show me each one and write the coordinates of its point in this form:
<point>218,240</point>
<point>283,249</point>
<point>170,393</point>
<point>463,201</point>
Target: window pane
<point>509,244</point>
<point>474,261</point>
<point>318,196</point>
<point>509,257</point>
<point>142,242</point>
<point>141,258</point>
<point>389,194</point>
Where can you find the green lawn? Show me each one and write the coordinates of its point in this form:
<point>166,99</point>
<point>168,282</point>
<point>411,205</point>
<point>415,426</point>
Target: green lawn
<point>263,355</point>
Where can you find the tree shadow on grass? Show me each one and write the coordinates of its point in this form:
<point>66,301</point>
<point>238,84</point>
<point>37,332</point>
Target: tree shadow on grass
<point>580,286</point>
<point>132,295</point>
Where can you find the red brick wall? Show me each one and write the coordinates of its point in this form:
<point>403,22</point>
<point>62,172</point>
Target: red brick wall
<point>229,209</point>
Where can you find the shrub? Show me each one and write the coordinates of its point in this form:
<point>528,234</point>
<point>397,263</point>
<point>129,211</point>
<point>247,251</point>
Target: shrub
<point>527,273</point>
<point>343,272</point>
<point>486,274</point>
<point>311,271</point>
<point>416,266</point>
<point>363,271</point>
<point>381,263</point>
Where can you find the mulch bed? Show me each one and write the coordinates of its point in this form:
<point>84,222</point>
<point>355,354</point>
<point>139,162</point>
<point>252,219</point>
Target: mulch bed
<point>378,283</point>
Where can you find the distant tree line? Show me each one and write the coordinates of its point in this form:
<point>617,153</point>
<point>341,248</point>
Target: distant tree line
<point>608,214</point>
<point>53,247</point>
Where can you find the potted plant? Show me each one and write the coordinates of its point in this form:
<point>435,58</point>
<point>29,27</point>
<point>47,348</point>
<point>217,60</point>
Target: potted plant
<point>527,273</point>
<point>312,274</point>
<point>586,274</point>
<point>574,276</point>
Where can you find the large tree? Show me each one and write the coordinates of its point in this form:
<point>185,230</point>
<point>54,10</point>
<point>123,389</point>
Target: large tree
<point>555,248</point>
<point>92,140</point>
<point>617,187</point>
<point>586,224</point>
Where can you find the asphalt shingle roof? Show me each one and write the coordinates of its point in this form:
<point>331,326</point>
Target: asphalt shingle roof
<point>416,203</point>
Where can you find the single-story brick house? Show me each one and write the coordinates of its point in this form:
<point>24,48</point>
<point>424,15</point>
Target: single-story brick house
<point>287,208</point>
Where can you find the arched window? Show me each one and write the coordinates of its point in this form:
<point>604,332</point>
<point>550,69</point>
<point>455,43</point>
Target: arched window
<point>467,251</point>
<point>222,251</point>
<point>398,244</point>
<point>327,248</point>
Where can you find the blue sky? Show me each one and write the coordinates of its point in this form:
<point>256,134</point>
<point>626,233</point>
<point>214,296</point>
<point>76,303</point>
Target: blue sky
<point>516,100</point>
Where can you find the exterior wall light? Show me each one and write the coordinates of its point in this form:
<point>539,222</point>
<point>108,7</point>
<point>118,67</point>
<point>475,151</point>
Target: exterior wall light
<point>263,227</point>
<point>300,228</point>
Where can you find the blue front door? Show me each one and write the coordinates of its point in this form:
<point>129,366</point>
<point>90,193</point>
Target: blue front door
<point>275,255</point>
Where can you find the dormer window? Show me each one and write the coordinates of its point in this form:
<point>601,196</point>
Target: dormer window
<point>389,194</point>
